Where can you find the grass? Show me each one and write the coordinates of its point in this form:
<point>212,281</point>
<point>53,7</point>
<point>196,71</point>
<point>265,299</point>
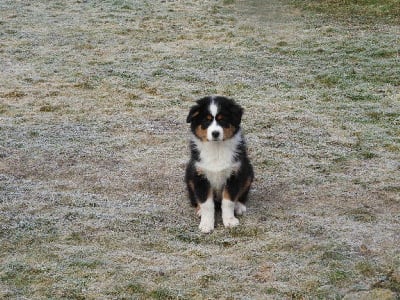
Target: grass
<point>356,10</point>
<point>93,103</point>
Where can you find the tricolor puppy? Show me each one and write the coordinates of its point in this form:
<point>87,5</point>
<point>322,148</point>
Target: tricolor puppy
<point>219,171</point>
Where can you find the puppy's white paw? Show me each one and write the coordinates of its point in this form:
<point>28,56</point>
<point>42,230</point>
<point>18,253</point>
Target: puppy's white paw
<point>230,222</point>
<point>206,226</point>
<point>207,212</point>
<point>228,216</point>
<point>240,208</point>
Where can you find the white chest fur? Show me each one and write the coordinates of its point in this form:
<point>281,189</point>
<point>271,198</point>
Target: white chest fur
<point>217,160</point>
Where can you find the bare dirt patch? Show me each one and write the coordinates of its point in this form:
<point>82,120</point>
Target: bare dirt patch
<point>93,143</point>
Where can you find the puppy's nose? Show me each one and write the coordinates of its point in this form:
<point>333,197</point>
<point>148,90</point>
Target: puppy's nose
<point>215,134</point>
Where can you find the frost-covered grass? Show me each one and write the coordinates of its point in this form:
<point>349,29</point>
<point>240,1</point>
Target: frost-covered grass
<point>364,11</point>
<point>93,144</point>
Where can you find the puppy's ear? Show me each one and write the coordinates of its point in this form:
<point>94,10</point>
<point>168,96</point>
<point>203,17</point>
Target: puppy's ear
<point>194,112</point>
<point>236,114</point>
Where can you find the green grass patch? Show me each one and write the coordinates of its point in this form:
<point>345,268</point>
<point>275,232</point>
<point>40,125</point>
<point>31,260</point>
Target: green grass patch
<point>360,10</point>
<point>362,214</point>
<point>129,289</point>
<point>366,268</point>
<point>245,231</point>
<point>163,294</point>
<point>22,276</point>
<point>362,97</point>
<point>85,263</point>
<point>339,276</point>
<point>3,108</point>
<point>49,108</point>
<point>329,80</point>
<point>208,279</point>
<point>333,255</point>
<point>134,288</point>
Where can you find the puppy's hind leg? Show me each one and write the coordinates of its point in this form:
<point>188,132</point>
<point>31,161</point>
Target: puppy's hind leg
<point>240,207</point>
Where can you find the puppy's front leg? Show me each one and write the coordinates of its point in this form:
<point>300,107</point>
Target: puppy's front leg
<point>228,211</point>
<point>207,212</point>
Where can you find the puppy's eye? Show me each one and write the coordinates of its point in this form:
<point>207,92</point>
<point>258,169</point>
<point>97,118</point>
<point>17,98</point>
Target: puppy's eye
<point>209,117</point>
<point>220,117</point>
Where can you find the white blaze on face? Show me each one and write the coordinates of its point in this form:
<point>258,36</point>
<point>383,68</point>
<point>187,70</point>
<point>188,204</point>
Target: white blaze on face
<point>214,132</point>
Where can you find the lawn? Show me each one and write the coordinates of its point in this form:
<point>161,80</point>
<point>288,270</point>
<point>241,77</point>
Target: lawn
<point>93,145</point>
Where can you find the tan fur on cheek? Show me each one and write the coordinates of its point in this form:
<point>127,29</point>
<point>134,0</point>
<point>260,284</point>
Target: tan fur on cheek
<point>201,133</point>
<point>229,132</point>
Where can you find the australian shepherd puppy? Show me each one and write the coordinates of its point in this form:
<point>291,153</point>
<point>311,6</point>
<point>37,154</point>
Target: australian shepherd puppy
<point>219,172</point>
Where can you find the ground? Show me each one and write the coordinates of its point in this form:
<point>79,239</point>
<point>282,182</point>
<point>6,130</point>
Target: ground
<point>93,145</point>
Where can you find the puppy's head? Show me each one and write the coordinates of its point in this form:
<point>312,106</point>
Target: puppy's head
<point>215,119</point>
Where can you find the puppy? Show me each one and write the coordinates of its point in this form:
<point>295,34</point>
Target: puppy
<point>219,172</point>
